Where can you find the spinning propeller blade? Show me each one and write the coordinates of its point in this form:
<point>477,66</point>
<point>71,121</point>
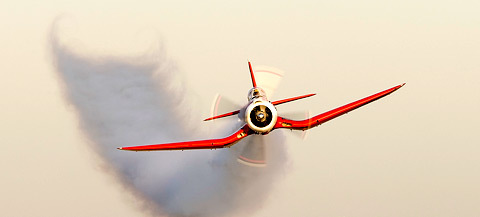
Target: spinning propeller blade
<point>253,153</point>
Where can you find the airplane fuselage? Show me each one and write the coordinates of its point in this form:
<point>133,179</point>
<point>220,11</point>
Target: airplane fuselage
<point>260,114</point>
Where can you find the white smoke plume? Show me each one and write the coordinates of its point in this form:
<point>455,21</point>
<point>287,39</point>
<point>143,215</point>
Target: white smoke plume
<point>125,101</point>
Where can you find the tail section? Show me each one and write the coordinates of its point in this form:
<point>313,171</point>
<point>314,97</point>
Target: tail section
<point>252,75</point>
<point>278,102</point>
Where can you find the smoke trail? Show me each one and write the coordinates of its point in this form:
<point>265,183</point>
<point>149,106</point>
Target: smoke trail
<point>139,100</point>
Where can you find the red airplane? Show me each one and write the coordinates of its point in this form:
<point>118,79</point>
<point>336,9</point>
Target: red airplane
<point>260,117</point>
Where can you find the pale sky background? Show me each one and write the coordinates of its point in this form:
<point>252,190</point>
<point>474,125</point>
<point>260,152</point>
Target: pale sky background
<point>413,153</point>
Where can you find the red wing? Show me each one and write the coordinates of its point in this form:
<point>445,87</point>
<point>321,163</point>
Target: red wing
<point>322,118</point>
<point>201,144</point>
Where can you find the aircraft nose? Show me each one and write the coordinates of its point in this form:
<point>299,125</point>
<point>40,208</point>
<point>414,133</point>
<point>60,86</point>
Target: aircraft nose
<point>260,116</point>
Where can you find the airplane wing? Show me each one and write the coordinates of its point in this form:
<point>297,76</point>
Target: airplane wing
<point>201,144</point>
<point>322,118</point>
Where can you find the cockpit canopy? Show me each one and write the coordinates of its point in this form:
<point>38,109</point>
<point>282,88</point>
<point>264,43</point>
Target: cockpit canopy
<point>256,92</point>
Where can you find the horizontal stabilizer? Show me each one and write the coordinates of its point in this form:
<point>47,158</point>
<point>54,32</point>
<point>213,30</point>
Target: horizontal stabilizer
<point>223,115</point>
<point>278,102</point>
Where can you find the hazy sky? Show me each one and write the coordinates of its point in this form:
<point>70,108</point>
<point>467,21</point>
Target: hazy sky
<point>413,153</point>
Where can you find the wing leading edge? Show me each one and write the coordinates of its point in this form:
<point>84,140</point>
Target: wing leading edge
<point>324,117</point>
<point>201,144</point>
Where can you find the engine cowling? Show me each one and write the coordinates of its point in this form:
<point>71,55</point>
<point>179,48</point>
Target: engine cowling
<point>261,116</point>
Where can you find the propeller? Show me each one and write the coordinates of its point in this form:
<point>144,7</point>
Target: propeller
<point>222,104</point>
<point>253,153</point>
<point>261,116</point>
<point>260,113</point>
